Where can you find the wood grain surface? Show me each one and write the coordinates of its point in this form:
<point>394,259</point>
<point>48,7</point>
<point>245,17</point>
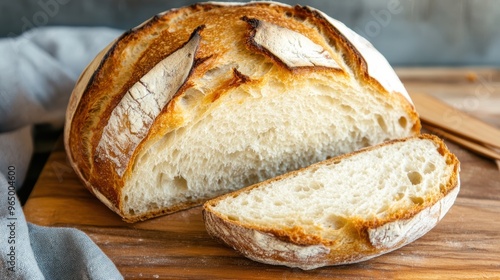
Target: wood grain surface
<point>464,245</point>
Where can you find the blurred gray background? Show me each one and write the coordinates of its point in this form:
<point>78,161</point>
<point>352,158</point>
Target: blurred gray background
<point>407,32</point>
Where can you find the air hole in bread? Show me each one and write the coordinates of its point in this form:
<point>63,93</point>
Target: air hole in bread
<point>381,123</point>
<point>180,183</point>
<point>190,97</point>
<point>337,222</point>
<point>153,205</point>
<point>403,122</point>
<point>429,168</point>
<point>125,198</point>
<point>302,189</point>
<point>265,68</point>
<point>316,185</point>
<point>399,196</point>
<point>417,200</point>
<point>347,108</point>
<point>365,142</point>
<point>415,177</point>
<point>218,71</point>
<point>250,180</point>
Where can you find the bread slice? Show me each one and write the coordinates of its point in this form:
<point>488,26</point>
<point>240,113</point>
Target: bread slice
<point>206,99</point>
<point>343,210</point>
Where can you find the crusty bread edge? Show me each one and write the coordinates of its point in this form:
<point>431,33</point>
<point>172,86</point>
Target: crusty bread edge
<point>401,232</point>
<point>384,237</point>
<point>74,100</point>
<point>250,241</point>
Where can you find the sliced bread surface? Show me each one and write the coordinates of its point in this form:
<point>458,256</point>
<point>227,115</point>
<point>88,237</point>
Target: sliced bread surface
<point>343,210</point>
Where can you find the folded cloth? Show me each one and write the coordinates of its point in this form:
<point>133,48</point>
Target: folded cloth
<point>30,252</point>
<point>37,73</point>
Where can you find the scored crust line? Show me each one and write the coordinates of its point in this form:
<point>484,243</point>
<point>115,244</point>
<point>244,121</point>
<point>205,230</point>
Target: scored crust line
<point>131,120</point>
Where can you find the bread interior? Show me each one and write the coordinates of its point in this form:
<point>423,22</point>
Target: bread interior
<point>252,133</point>
<point>330,200</point>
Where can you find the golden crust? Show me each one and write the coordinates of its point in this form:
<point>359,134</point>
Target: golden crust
<point>106,80</point>
<point>241,236</point>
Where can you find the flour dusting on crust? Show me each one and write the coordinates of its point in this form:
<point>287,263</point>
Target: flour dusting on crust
<point>290,47</point>
<point>132,118</point>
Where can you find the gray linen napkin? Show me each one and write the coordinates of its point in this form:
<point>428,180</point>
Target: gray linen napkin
<point>37,73</point>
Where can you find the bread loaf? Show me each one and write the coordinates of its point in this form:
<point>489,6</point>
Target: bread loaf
<point>343,210</point>
<point>206,99</point>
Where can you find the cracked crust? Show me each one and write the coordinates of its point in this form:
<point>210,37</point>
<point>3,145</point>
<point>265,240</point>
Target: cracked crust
<point>98,139</point>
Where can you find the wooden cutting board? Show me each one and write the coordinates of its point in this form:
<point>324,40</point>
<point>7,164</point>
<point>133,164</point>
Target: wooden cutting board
<point>465,244</point>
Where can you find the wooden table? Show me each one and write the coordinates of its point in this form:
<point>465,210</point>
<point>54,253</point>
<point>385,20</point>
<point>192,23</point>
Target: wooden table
<point>465,244</point>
